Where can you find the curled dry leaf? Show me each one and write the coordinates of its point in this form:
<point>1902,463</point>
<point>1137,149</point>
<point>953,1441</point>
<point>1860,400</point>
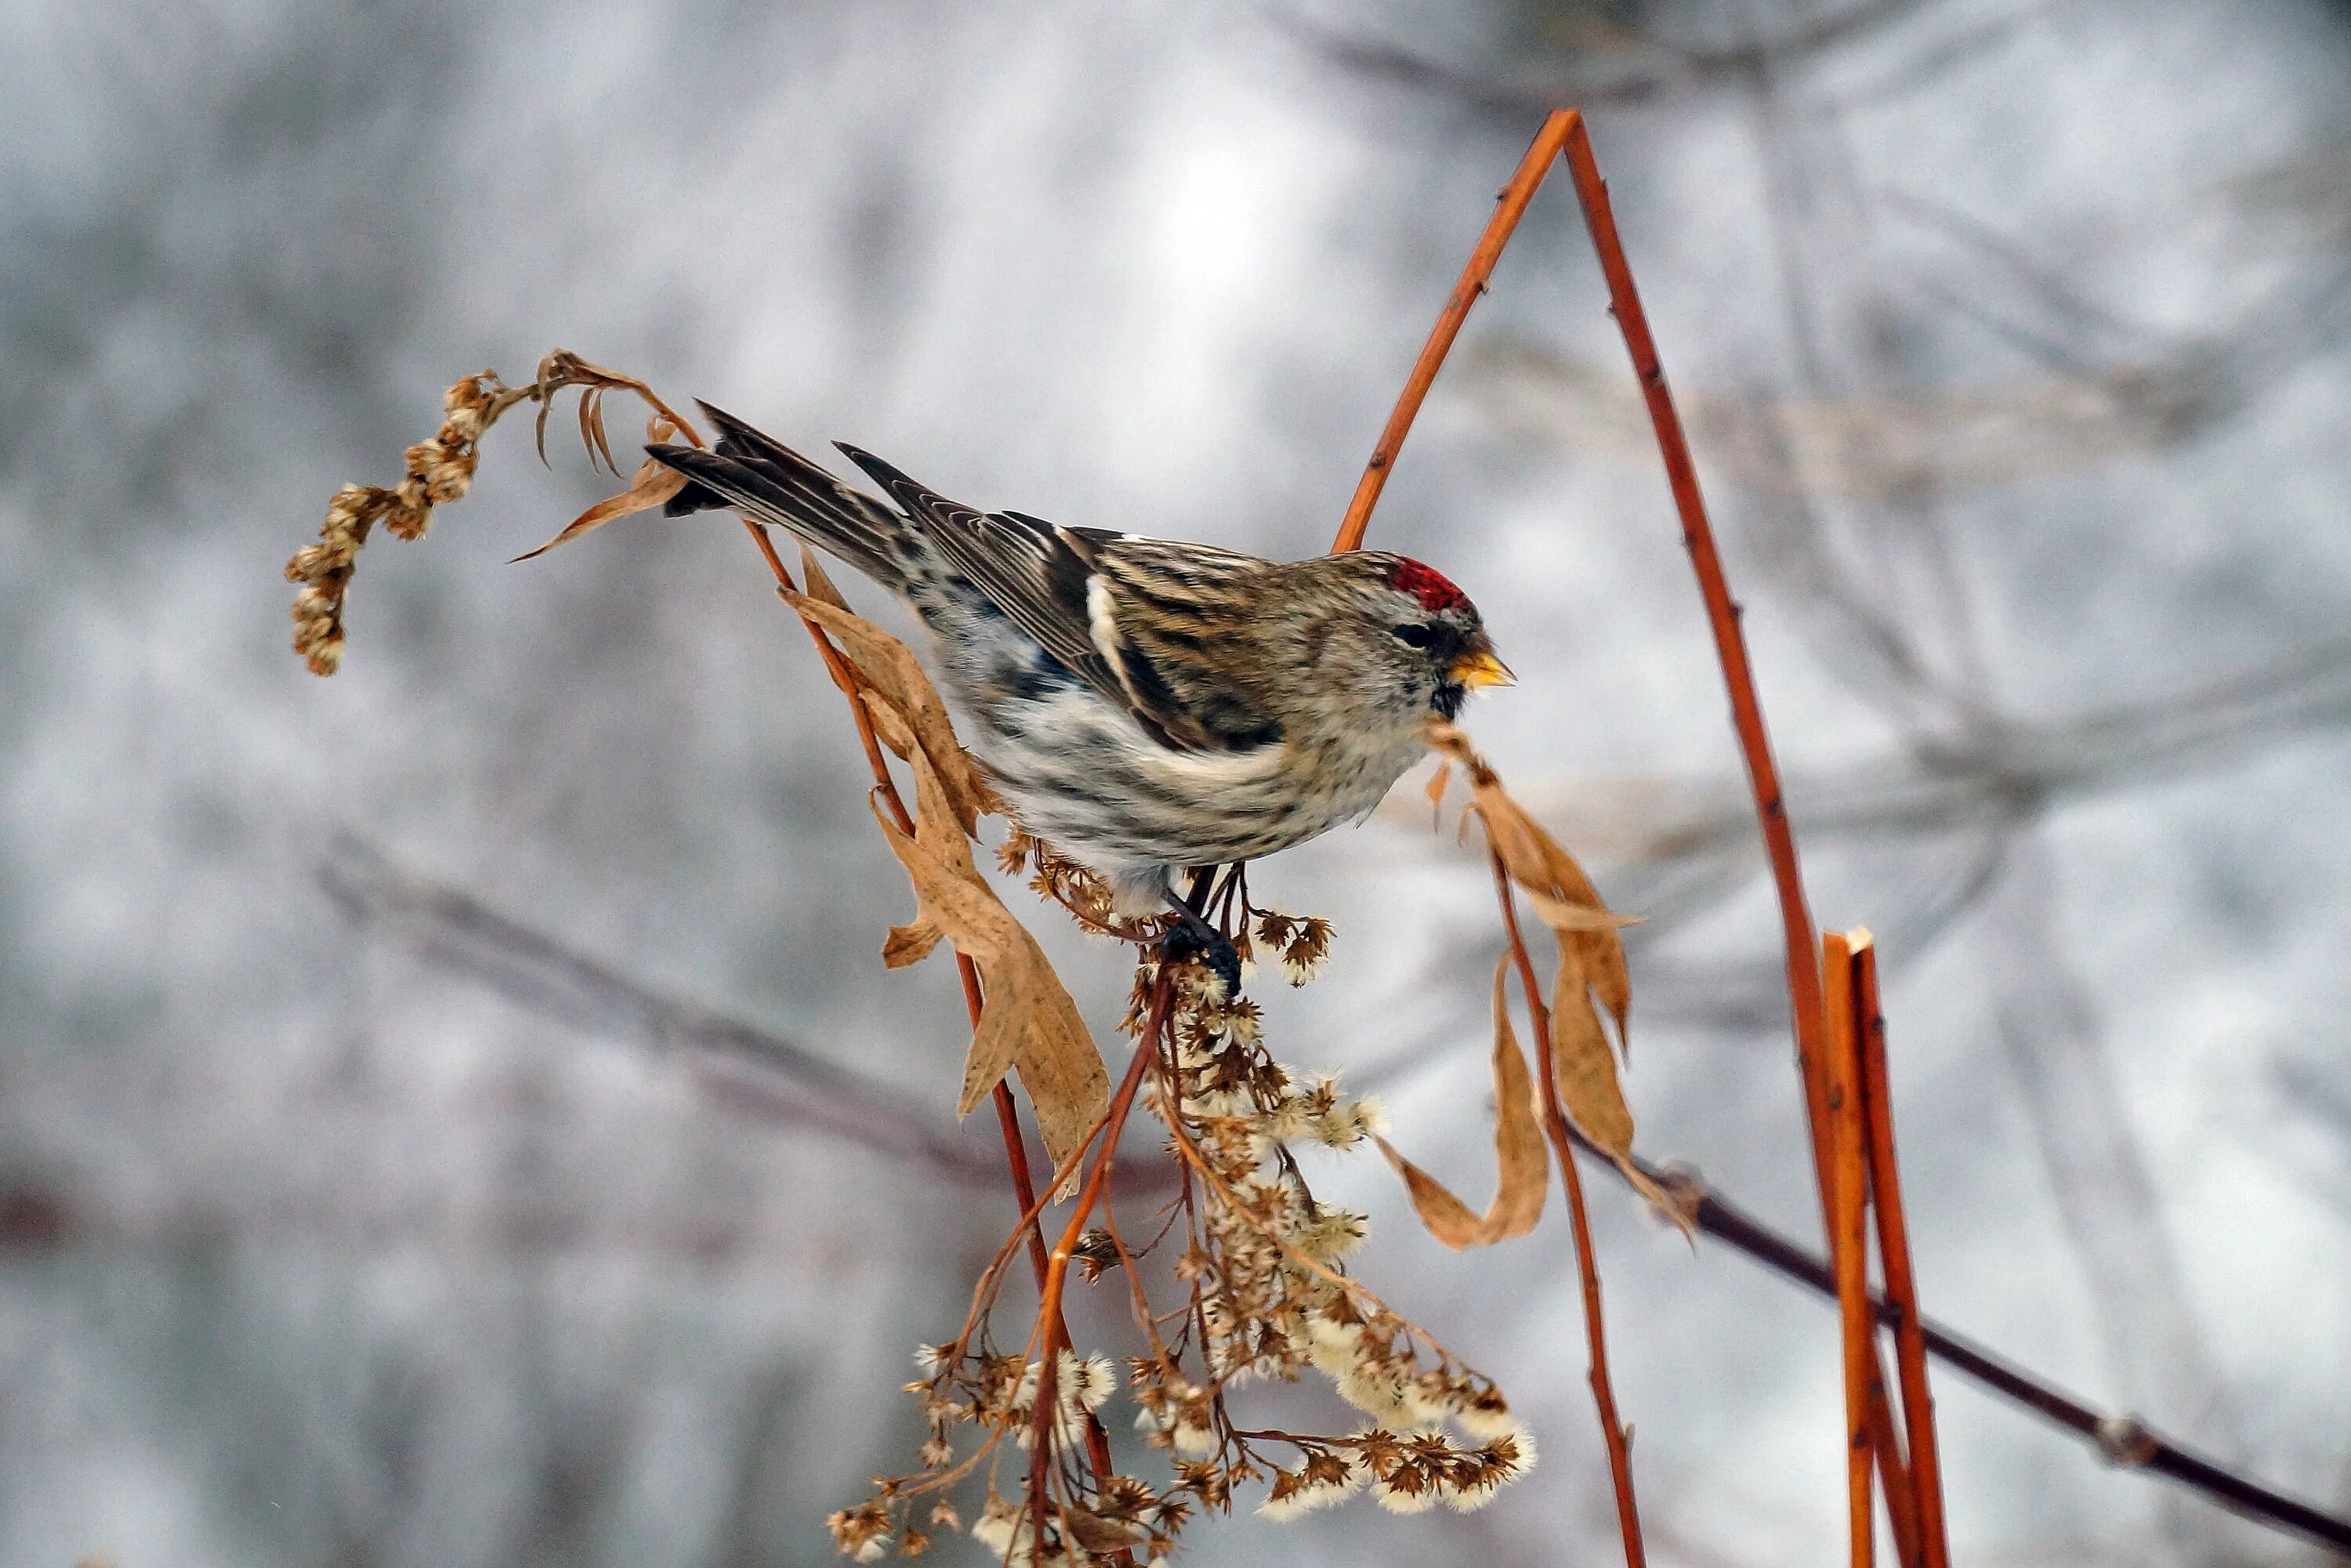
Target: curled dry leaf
<point>563,369</point>
<point>820,586</point>
<point>1100,1534</point>
<point>1522,1159</point>
<point>653,485</point>
<point>1591,960</point>
<point>1437,783</point>
<point>1559,891</point>
<point>1027,1019</point>
<point>889,723</point>
<point>1584,1065</point>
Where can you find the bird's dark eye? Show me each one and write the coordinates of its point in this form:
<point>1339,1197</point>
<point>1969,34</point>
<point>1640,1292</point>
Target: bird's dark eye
<point>1416,635</point>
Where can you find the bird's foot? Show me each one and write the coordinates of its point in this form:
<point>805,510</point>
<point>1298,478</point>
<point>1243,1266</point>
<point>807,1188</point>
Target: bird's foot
<point>1192,938</point>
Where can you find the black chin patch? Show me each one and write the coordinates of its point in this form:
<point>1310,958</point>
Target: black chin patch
<point>1449,700</point>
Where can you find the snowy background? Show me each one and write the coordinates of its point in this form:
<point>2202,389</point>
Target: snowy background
<point>347,1218</point>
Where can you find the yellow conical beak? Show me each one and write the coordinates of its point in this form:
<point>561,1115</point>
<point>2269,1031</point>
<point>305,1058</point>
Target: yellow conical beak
<point>1480,668</point>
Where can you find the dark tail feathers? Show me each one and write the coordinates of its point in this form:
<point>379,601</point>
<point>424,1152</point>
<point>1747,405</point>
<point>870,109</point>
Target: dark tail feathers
<point>755,473</point>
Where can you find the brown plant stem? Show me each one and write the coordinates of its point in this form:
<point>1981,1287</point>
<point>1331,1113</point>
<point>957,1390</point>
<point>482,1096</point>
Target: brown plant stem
<point>1893,1258</point>
<point>1511,205</point>
<point>1052,1329</point>
<point>1008,1113</point>
<point>1555,1126</point>
<point>1805,998</point>
<point>1848,1231</point>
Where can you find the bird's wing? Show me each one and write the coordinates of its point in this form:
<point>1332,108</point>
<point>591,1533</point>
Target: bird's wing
<point>1084,595</point>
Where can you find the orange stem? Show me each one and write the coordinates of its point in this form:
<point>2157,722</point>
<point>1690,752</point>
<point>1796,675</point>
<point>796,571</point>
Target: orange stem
<point>1722,611</point>
<point>1053,1330</point>
<point>1555,1126</point>
<point>1511,205</point>
<point>1805,998</point>
<point>1894,1258</point>
<point>1849,1232</point>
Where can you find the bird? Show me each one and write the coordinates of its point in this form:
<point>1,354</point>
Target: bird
<point>1144,706</point>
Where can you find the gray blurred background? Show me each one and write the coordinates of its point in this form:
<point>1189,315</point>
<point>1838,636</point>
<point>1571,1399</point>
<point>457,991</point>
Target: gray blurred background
<point>384,1177</point>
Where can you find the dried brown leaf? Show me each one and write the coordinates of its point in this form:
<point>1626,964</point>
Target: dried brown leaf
<point>888,723</point>
<point>1585,1070</point>
<point>1522,1159</point>
<point>563,368</point>
<point>1582,1063</point>
<point>1099,1533</point>
<point>910,944</point>
<point>1561,894</point>
<point>653,485</point>
<point>1028,1020</point>
<point>936,826</point>
<point>890,668</point>
<point>592,429</point>
<point>820,586</point>
<point>1561,915</point>
<point>1437,781</point>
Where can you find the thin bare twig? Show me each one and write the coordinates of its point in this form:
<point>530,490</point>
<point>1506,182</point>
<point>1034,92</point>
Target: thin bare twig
<point>1053,1330</point>
<point>450,927</point>
<point>2122,1439</point>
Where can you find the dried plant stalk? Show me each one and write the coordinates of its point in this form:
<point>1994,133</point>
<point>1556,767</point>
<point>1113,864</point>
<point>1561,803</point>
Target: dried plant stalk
<point>1262,1293</point>
<point>1848,1230</point>
<point>1932,1549</point>
<point>441,468</point>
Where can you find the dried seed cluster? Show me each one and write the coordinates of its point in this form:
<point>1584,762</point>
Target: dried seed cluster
<point>439,469</point>
<point>1300,944</point>
<point>1251,1284</point>
<point>1062,880</point>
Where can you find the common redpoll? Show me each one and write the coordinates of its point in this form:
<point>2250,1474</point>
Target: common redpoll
<point>1142,704</point>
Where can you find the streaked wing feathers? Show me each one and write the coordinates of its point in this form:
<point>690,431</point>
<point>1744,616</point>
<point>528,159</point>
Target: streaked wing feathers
<point>1071,588</point>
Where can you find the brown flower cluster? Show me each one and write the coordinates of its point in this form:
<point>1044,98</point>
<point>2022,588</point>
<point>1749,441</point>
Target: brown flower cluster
<point>1062,880</point>
<point>1300,944</point>
<point>439,469</point>
<point>1240,1277</point>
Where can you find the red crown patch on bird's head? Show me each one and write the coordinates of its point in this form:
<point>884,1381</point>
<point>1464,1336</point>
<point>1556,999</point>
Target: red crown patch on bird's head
<point>1431,587</point>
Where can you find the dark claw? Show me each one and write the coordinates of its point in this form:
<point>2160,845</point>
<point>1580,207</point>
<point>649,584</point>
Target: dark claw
<point>1195,938</point>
